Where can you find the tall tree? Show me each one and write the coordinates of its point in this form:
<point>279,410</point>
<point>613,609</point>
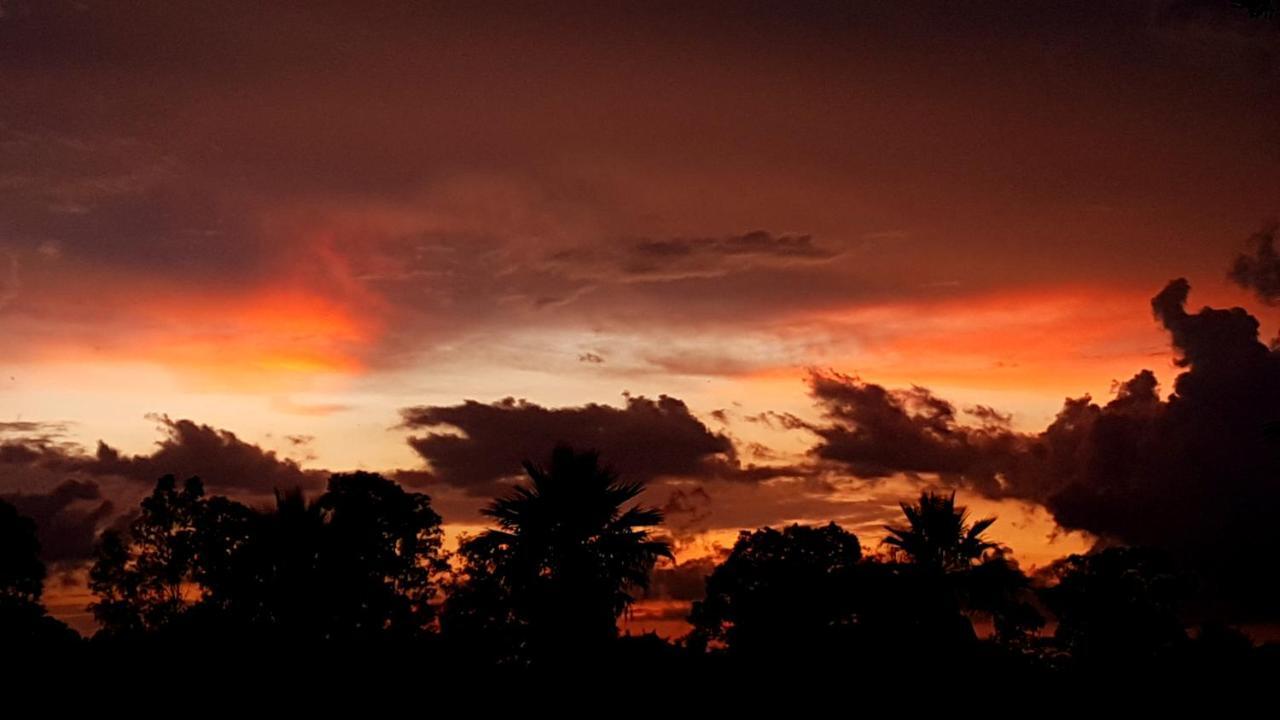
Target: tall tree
<point>564,562</point>
<point>361,562</point>
<point>147,578</point>
<point>1117,606</point>
<point>783,592</point>
<point>960,568</point>
<point>21,571</point>
<point>805,597</point>
<point>23,620</point>
<point>272,584</point>
<point>379,557</point>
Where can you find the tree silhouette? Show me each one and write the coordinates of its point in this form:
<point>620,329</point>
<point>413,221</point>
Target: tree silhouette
<point>21,572</point>
<point>1117,606</point>
<point>146,579</point>
<point>806,597</point>
<point>359,563</point>
<point>782,590</point>
<point>23,621</point>
<point>273,584</point>
<point>362,563</point>
<point>563,563</point>
<point>379,557</point>
<point>962,569</point>
<point>996,587</point>
<point>938,535</point>
<point>223,535</point>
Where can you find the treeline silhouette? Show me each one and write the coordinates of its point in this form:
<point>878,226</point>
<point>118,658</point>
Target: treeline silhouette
<point>359,575</point>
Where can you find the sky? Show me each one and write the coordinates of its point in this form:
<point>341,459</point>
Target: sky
<point>745,250</point>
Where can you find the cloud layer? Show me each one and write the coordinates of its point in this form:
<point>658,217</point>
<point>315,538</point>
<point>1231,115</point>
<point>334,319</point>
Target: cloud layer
<point>587,169</point>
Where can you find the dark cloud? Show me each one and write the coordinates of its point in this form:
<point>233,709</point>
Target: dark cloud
<point>989,416</point>
<point>224,461</point>
<point>67,519</point>
<point>28,427</point>
<point>773,419</point>
<point>681,257</point>
<point>33,435</point>
<point>649,260</point>
<point>1259,270</point>
<point>684,582</point>
<point>876,432</point>
<point>1197,474</point>
<point>686,508</point>
<point>41,452</point>
<point>476,445</point>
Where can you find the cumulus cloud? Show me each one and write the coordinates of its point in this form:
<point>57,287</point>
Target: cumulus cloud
<point>220,458</point>
<point>877,432</point>
<point>476,445</point>
<point>224,461</point>
<point>1259,269</point>
<point>1198,473</point>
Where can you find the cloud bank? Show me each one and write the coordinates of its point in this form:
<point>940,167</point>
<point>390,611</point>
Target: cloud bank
<point>1197,473</point>
<point>477,445</point>
<point>73,494</point>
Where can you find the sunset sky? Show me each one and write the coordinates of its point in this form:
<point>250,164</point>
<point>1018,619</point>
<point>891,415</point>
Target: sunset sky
<point>344,232</point>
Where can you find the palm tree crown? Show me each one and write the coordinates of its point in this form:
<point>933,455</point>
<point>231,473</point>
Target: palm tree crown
<point>938,535</point>
<point>568,546</point>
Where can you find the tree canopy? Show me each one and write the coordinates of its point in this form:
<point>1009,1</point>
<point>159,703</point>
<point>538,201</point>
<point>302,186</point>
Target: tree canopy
<point>568,555</point>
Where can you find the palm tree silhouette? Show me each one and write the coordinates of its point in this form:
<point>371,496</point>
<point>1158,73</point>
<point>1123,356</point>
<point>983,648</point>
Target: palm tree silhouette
<point>961,570</point>
<point>938,535</point>
<point>567,552</point>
